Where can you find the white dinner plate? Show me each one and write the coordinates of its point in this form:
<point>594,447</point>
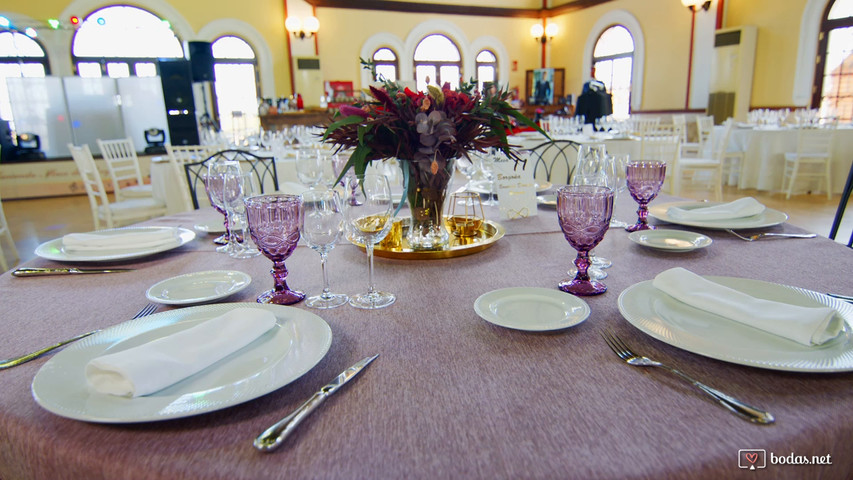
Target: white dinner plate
<point>767,218</point>
<point>671,321</point>
<point>199,287</point>
<point>670,240</point>
<point>52,250</point>
<point>297,343</point>
<point>531,308</point>
<point>547,200</point>
<point>212,225</point>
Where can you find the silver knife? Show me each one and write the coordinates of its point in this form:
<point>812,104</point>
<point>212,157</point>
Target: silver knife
<point>37,272</point>
<point>274,436</point>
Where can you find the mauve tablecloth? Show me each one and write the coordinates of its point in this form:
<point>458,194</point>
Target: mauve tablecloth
<point>451,396</point>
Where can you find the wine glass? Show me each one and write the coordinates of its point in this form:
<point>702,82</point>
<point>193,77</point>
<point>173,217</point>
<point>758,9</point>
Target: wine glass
<point>368,217</point>
<point>322,223</point>
<point>466,167</point>
<point>309,167</point>
<point>274,227</point>
<point>238,186</point>
<point>214,184</point>
<point>644,181</point>
<point>584,212</point>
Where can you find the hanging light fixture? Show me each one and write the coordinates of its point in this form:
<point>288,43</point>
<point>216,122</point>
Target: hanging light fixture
<point>302,28</point>
<point>697,4</point>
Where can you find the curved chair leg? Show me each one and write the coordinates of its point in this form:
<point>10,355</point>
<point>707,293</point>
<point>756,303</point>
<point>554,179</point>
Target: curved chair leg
<point>791,179</point>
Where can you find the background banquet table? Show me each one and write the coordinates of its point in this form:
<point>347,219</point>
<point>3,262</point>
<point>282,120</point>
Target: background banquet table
<point>764,156</point>
<point>450,396</point>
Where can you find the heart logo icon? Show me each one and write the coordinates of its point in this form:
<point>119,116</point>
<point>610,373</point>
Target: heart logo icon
<point>751,457</point>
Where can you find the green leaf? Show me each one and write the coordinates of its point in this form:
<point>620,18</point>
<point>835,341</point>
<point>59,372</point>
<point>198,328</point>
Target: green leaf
<point>352,119</point>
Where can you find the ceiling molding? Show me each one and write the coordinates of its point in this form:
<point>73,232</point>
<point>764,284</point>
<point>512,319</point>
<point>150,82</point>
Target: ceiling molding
<point>437,8</point>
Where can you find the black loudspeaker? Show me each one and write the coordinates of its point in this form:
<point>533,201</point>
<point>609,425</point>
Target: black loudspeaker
<point>183,129</point>
<point>201,59</point>
<point>177,83</point>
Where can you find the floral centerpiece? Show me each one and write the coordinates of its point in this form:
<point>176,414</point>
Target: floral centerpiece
<point>426,132</point>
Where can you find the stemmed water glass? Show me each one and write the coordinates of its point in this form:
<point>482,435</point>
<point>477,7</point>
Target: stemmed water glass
<point>584,212</point>
<point>237,186</point>
<point>309,167</point>
<point>274,227</point>
<point>368,215</point>
<point>466,167</point>
<point>644,182</point>
<point>322,224</point>
<point>617,173</point>
<point>214,184</point>
<point>486,164</point>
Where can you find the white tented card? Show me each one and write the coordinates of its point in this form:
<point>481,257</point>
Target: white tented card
<point>515,188</point>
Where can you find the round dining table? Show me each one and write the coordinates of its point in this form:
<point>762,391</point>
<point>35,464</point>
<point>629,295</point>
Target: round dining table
<point>450,394</point>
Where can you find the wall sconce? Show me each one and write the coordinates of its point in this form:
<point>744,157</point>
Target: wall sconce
<point>543,34</point>
<point>302,28</point>
<point>694,5</point>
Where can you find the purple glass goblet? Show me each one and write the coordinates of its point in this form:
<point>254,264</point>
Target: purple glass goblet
<point>644,180</point>
<point>274,227</point>
<point>584,212</point>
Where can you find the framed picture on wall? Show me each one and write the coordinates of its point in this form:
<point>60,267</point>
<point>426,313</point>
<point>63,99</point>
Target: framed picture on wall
<point>544,86</point>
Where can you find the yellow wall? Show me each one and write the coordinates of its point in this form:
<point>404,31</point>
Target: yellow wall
<point>665,25</point>
<point>776,52</point>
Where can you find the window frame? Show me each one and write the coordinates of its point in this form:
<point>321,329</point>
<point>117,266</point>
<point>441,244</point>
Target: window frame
<point>826,25</point>
<point>395,63</point>
<point>438,63</point>
<point>617,56</point>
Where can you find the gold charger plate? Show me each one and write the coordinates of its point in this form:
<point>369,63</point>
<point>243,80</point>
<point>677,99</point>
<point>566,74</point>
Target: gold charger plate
<point>395,244</point>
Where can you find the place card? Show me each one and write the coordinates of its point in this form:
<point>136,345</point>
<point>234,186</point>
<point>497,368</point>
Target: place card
<point>516,189</point>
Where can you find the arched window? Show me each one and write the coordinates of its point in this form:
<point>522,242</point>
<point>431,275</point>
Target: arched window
<point>386,64</point>
<point>236,70</point>
<point>833,92</point>
<point>437,61</point>
<point>20,56</point>
<point>487,68</point>
<point>122,41</point>
<point>613,60</point>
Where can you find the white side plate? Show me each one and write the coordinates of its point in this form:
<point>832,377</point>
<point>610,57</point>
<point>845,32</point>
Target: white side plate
<point>670,240</point>
<point>199,287</point>
<point>294,346</point>
<point>532,309</point>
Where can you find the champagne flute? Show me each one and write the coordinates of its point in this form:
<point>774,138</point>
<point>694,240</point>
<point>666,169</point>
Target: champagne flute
<point>368,215</point>
<point>584,213</point>
<point>274,227</point>
<point>238,186</point>
<point>321,225</point>
<point>214,184</point>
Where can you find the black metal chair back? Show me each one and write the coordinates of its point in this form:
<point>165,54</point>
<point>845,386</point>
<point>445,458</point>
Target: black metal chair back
<point>557,159</point>
<point>842,205</point>
<point>262,167</point>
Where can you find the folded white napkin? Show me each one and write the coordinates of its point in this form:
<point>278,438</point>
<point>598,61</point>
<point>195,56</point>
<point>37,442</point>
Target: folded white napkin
<point>153,366</point>
<point>740,208</point>
<point>121,241</point>
<point>805,325</point>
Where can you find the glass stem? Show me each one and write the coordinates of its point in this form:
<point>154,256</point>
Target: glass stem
<point>643,213</point>
<point>325,293</point>
<point>582,262</point>
<point>279,274</point>
<point>369,248</point>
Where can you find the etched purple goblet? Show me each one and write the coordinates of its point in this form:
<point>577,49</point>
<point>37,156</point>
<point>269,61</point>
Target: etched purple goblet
<point>584,212</point>
<point>274,227</point>
<point>644,180</point>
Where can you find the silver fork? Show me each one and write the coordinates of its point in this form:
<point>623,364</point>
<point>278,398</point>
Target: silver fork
<point>747,412</point>
<point>758,236</point>
<point>12,362</point>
